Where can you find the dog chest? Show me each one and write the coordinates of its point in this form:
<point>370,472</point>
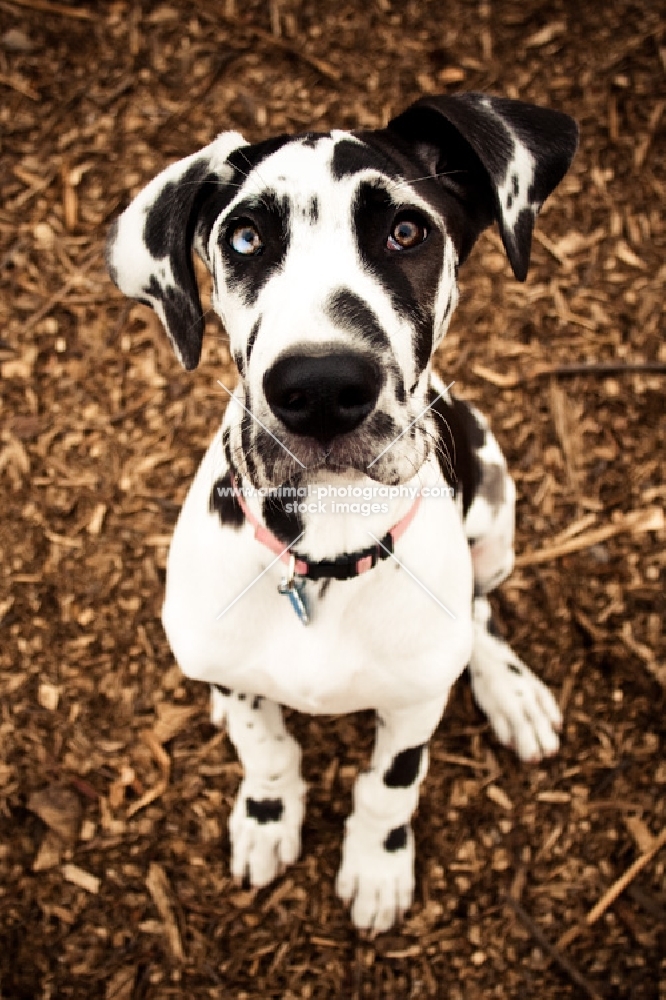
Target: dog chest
<point>381,635</point>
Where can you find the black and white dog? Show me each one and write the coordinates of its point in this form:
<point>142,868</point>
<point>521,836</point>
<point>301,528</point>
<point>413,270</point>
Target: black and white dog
<point>335,550</point>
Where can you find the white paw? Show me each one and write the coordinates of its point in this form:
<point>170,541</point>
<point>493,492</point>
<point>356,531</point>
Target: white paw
<point>265,830</point>
<point>376,877</point>
<point>520,708</point>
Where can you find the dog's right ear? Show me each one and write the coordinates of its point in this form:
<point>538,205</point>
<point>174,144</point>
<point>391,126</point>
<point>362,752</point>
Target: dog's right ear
<point>149,247</point>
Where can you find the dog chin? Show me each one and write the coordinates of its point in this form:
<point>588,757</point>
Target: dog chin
<point>351,464</point>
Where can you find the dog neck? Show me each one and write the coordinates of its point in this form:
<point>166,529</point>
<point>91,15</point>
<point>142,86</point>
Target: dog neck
<point>344,566</point>
<point>327,517</point>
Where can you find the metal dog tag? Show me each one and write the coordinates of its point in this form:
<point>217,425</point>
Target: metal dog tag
<point>295,590</point>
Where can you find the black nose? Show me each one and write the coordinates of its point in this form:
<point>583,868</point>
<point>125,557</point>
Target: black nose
<point>322,396</point>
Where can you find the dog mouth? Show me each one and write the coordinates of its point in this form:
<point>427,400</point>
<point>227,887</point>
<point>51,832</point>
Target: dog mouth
<point>388,460</point>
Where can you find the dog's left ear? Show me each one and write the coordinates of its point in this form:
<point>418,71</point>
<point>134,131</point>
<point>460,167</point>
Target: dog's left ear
<point>524,151</point>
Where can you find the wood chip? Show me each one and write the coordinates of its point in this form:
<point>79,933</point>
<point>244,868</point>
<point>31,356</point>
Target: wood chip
<point>50,851</point>
<point>121,984</point>
<point>59,808</point>
<point>171,720</point>
<point>158,886</point>
<point>84,880</point>
<point>499,797</point>
<point>48,696</point>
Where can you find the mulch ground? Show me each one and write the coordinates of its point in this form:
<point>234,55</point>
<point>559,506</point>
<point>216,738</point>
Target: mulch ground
<point>114,788</point>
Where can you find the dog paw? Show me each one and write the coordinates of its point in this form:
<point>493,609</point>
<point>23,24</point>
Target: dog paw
<point>265,830</point>
<point>521,710</point>
<point>375,877</point>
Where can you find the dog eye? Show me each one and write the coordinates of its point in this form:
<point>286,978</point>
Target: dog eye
<point>408,231</point>
<point>244,238</point>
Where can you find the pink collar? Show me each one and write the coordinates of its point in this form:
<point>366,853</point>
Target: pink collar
<point>343,567</point>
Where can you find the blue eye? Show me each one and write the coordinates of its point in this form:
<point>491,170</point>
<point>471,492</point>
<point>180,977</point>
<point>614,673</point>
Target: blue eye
<point>244,238</point>
<point>408,231</point>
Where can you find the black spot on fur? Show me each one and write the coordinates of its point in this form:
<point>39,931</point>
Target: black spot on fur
<point>349,311</point>
<point>223,690</point>
<point>225,503</point>
<point>349,158</point>
<point>396,840</point>
<point>257,702</point>
<point>246,158</point>
<point>310,139</point>
<point>514,669</point>
<point>460,438</point>
<point>404,768</point>
<point>492,629</point>
<point>265,810</point>
<point>314,209</point>
<point>400,393</point>
<point>226,446</point>
<point>381,426</point>
<point>285,524</point>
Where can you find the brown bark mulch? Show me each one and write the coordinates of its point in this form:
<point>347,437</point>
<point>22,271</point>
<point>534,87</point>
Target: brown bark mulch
<point>114,788</point>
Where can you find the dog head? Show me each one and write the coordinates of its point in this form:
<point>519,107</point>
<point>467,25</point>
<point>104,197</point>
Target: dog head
<point>334,260</point>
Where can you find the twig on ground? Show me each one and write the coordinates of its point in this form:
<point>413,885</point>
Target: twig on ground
<point>621,884</point>
<point>636,521</point>
<point>325,68</point>
<point>572,972</point>
<point>602,368</point>
<point>56,8</point>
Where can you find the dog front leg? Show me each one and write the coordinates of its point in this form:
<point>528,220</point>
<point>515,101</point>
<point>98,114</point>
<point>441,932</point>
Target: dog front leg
<point>377,871</point>
<point>265,823</point>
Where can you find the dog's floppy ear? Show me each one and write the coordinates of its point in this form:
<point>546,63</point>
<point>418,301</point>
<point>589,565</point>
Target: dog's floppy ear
<point>149,248</point>
<point>524,150</point>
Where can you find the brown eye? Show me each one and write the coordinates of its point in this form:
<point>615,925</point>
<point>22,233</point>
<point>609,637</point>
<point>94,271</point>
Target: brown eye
<point>408,231</point>
<point>244,238</point>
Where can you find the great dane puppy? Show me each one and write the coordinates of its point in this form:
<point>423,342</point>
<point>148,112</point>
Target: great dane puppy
<point>338,543</point>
